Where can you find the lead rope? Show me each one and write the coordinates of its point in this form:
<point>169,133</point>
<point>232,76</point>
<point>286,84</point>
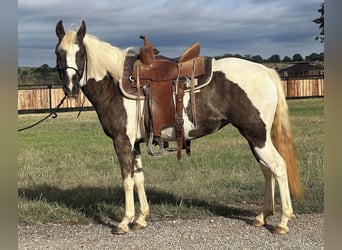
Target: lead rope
<point>82,106</point>
<point>52,113</point>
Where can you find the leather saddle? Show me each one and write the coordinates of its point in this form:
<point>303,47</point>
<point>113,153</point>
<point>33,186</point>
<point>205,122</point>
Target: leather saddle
<point>162,82</point>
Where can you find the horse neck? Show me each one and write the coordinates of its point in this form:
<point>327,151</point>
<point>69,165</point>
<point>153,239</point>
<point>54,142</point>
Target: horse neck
<point>103,94</point>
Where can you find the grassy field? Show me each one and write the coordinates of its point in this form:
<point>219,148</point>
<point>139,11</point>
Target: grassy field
<point>68,172</point>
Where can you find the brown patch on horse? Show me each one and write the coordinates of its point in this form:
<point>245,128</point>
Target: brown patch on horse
<point>107,99</point>
<point>223,102</point>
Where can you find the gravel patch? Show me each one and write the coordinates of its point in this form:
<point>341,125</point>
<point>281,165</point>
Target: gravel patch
<point>306,232</point>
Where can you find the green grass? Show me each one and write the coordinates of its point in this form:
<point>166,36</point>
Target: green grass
<point>69,173</point>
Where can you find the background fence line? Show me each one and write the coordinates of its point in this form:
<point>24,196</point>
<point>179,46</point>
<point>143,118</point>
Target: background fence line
<point>44,97</point>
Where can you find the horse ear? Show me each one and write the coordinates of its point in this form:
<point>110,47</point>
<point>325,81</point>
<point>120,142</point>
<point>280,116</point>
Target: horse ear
<point>60,30</point>
<point>81,32</point>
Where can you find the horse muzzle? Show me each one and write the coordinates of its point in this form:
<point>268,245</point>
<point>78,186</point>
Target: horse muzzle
<point>71,92</point>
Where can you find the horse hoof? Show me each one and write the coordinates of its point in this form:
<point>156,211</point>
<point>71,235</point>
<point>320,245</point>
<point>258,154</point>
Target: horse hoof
<point>138,226</point>
<point>257,223</point>
<point>280,230</point>
<point>120,231</point>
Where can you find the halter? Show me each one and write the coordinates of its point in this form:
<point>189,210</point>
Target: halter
<point>63,70</point>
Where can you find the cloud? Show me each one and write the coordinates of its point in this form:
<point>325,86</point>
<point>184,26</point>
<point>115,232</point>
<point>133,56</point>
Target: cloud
<point>247,26</point>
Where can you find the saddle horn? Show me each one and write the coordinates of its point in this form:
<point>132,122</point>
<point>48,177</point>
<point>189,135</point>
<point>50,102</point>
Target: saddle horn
<point>146,53</point>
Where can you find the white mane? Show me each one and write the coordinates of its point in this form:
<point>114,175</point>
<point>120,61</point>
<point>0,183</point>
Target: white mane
<point>102,57</point>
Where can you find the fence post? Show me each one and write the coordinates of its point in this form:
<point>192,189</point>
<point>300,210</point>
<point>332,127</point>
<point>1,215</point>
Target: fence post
<point>49,85</point>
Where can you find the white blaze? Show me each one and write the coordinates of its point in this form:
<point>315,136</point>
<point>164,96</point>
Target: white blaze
<point>71,62</point>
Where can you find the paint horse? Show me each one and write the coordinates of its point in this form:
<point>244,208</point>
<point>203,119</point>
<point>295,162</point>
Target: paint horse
<point>243,93</point>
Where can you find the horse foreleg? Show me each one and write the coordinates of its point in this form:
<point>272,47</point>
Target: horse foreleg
<point>139,182</point>
<point>125,155</point>
<point>128,184</point>
<point>268,208</point>
<point>132,174</point>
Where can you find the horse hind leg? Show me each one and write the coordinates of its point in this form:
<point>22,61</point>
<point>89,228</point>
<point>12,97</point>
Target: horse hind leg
<point>268,208</point>
<point>270,158</point>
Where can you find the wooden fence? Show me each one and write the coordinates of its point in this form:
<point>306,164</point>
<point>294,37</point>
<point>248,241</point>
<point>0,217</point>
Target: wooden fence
<point>43,98</point>
<point>311,87</point>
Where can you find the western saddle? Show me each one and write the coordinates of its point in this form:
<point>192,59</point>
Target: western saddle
<point>162,81</point>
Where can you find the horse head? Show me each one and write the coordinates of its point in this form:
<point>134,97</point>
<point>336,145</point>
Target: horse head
<point>71,58</point>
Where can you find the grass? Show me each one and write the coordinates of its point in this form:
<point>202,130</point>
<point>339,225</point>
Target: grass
<point>68,172</point>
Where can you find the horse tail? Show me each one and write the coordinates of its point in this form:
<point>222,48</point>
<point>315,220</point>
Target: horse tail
<point>282,139</point>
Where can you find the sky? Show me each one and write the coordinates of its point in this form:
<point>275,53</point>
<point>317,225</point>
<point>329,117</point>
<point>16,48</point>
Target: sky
<point>245,27</point>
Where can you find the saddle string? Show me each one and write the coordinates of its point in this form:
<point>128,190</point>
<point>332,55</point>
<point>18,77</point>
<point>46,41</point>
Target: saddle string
<point>138,106</point>
<point>192,93</point>
<point>179,113</point>
<point>179,65</point>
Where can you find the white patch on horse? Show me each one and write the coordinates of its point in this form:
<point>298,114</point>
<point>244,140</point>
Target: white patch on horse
<point>188,125</point>
<point>71,62</point>
<point>134,127</point>
<point>235,71</point>
<point>169,134</point>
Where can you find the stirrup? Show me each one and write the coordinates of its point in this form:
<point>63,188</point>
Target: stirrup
<point>159,142</point>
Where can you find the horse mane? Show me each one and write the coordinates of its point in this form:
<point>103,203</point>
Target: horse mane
<point>102,57</point>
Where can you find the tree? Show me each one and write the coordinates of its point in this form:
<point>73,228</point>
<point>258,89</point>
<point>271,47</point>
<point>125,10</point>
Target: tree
<point>320,22</point>
<point>257,59</point>
<point>26,76</point>
<point>274,59</point>
<point>297,58</point>
<point>287,59</point>
<point>313,57</point>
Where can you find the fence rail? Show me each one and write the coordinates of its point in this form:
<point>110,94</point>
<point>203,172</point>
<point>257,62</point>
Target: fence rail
<point>43,98</point>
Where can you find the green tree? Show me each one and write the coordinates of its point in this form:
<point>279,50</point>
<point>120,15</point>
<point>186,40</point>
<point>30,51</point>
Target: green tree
<point>297,58</point>
<point>257,59</point>
<point>320,22</point>
<point>274,59</point>
<point>43,70</point>
<point>25,76</point>
<point>287,59</point>
<point>313,57</point>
